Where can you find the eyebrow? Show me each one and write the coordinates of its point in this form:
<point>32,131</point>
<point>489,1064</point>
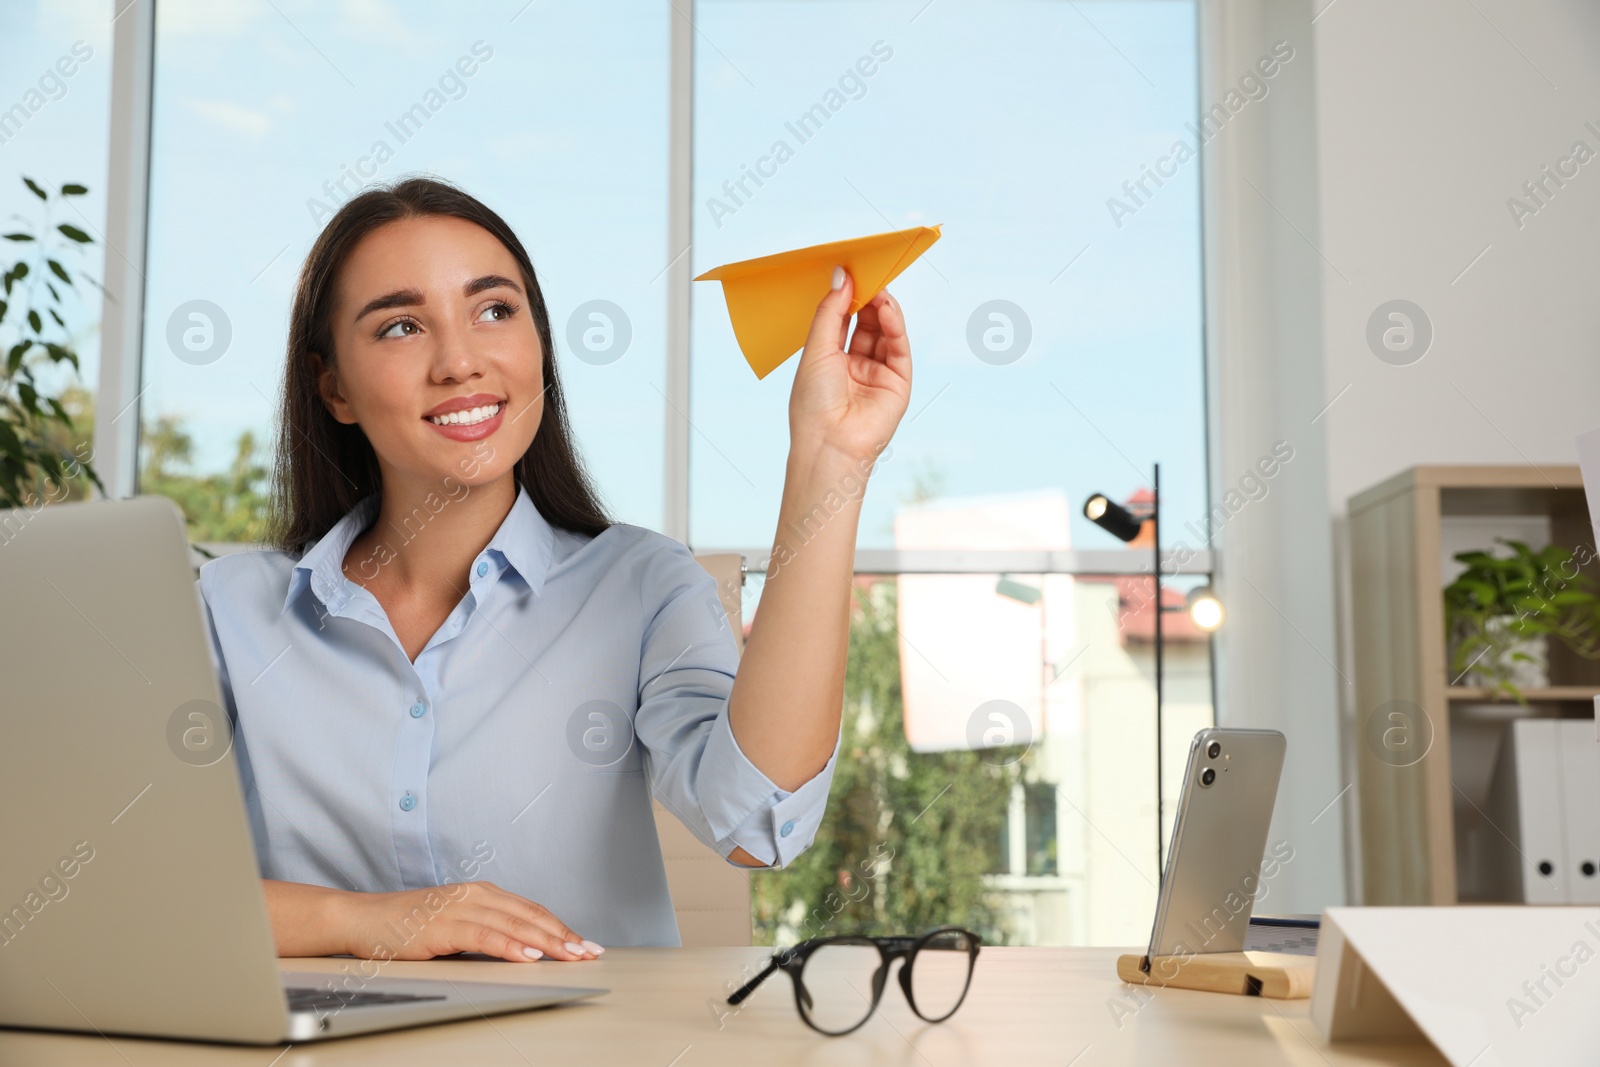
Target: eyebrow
<point>413,297</point>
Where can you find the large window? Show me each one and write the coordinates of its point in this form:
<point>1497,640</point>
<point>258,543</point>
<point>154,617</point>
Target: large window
<point>1000,704</point>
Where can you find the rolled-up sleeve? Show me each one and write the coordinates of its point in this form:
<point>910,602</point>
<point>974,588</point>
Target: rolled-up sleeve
<point>697,769</point>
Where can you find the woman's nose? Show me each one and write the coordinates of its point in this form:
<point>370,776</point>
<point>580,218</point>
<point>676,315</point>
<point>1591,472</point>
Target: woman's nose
<point>454,358</point>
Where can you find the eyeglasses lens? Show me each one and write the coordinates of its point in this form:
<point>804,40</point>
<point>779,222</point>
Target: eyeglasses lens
<point>939,974</point>
<point>837,984</point>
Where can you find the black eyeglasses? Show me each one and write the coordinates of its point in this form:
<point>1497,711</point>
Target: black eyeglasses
<point>838,981</point>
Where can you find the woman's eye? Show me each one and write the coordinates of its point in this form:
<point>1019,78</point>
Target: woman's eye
<point>505,310</point>
<point>388,331</point>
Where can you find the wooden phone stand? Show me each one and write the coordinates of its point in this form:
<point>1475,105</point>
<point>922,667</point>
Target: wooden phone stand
<point>1279,975</point>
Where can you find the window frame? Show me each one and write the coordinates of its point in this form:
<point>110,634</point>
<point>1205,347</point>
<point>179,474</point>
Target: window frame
<point>117,440</point>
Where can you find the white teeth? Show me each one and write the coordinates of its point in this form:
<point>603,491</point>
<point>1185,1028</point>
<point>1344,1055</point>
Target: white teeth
<point>465,418</point>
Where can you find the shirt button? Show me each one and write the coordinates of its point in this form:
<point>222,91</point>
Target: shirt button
<point>483,568</point>
<point>786,829</point>
<point>418,709</point>
<point>408,802</point>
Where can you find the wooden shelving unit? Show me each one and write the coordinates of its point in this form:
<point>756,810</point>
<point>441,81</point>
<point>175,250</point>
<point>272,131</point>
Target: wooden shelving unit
<point>1411,837</point>
<point>1472,694</point>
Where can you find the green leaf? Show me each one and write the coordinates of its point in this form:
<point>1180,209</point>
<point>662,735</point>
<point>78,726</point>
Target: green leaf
<point>20,271</point>
<point>49,465</point>
<point>61,412</point>
<point>19,236</point>
<point>14,357</point>
<point>59,271</point>
<point>59,353</point>
<point>75,234</point>
<point>30,397</point>
<point>73,189</point>
<point>34,321</point>
<point>59,321</point>
<point>29,182</point>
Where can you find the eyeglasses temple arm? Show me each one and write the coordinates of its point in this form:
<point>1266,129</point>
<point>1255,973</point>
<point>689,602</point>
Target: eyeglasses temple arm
<point>749,987</point>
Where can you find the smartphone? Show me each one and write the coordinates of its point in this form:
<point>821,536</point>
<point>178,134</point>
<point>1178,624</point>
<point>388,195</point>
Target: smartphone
<point>1218,841</point>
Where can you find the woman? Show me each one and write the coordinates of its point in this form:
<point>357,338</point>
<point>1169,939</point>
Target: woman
<point>452,674</point>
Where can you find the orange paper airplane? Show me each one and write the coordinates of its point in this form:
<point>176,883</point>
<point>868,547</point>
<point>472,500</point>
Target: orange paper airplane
<point>773,299</point>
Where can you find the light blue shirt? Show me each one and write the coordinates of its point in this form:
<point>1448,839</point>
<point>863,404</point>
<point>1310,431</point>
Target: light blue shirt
<point>577,677</point>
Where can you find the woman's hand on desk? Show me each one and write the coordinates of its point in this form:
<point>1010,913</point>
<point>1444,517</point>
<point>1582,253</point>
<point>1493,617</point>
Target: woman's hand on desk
<point>419,924</point>
<point>463,917</point>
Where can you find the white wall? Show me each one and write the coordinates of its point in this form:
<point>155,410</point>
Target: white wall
<point>1430,115</point>
<point>1430,118</point>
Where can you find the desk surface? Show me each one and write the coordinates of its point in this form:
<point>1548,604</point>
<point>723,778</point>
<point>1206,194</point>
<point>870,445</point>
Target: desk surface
<point>1061,1006</point>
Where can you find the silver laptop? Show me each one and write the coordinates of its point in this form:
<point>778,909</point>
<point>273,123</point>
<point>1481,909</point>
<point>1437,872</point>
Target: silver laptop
<point>130,900</point>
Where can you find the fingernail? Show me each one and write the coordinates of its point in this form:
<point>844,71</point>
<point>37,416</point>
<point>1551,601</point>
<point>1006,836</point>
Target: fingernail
<point>838,277</point>
<point>576,950</point>
<point>532,953</point>
<point>592,947</point>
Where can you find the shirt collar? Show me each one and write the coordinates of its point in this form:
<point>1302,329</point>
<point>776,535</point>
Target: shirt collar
<point>525,541</point>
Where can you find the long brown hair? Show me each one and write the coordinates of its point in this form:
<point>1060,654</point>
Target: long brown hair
<point>324,467</point>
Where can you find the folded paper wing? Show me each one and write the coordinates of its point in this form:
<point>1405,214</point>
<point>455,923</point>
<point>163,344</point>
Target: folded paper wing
<point>772,299</point>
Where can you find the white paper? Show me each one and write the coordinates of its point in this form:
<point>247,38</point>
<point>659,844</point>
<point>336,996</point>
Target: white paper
<point>1488,986</point>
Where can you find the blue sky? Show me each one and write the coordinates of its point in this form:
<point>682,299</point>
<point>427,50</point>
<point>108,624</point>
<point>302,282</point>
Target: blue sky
<point>1010,123</point>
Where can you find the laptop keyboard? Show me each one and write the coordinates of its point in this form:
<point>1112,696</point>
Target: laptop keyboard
<point>305,998</point>
<point>1295,941</point>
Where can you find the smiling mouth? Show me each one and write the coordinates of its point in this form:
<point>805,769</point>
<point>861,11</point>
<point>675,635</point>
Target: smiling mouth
<point>468,417</point>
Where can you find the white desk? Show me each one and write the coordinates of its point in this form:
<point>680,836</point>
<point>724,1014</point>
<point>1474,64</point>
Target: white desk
<point>1026,1005</point>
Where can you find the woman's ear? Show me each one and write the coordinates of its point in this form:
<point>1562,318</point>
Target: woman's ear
<point>328,388</point>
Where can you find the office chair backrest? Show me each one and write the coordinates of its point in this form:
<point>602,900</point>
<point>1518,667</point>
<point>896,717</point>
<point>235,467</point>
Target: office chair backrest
<point>710,897</point>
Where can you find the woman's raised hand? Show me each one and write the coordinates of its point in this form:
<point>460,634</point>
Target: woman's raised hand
<point>850,400</point>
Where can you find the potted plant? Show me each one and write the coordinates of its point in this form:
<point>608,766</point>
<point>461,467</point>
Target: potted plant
<point>1502,611</point>
<point>39,460</point>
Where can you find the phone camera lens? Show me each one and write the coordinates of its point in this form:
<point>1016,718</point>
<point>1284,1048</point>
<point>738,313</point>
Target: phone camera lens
<point>1214,749</point>
<point>1208,776</point>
